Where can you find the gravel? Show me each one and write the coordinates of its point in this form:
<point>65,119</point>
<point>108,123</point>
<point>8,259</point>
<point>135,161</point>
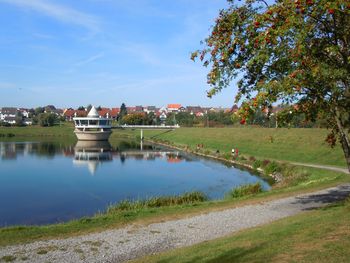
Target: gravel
<point>135,241</point>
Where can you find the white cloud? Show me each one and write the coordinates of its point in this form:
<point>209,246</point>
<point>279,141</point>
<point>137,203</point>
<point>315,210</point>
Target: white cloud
<point>59,12</point>
<point>89,60</point>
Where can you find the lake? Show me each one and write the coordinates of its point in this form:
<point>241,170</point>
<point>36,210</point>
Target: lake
<point>50,182</point>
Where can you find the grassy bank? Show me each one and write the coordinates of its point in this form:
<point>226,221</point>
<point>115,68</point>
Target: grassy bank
<point>151,212</point>
<point>294,145</point>
<point>63,130</point>
<point>321,235</point>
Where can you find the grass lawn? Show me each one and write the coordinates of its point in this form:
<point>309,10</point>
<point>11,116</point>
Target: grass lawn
<point>295,145</point>
<point>63,130</point>
<point>321,235</point>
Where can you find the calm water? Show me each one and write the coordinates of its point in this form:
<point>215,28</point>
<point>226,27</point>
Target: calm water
<point>42,182</point>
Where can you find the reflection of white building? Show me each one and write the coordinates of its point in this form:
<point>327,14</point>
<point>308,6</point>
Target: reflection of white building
<point>92,154</point>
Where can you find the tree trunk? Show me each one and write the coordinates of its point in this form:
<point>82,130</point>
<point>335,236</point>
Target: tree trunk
<point>344,139</point>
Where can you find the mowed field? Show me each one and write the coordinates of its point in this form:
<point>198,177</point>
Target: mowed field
<point>294,145</point>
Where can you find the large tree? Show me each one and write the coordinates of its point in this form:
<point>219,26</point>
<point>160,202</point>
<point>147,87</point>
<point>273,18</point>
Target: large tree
<point>294,52</point>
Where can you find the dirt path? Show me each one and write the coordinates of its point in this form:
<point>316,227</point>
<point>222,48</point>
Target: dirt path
<point>134,241</point>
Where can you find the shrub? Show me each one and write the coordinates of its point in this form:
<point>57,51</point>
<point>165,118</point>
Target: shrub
<point>271,168</point>
<point>293,175</point>
<point>245,190</point>
<point>242,158</point>
<point>265,163</point>
<point>256,164</point>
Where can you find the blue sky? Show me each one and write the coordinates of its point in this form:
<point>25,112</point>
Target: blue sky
<point>105,52</point>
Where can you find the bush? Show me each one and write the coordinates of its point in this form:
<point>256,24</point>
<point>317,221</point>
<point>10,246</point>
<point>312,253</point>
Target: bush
<point>242,158</point>
<point>245,190</point>
<point>293,175</point>
<point>186,198</point>
<point>265,163</point>
<point>271,168</point>
<point>256,164</point>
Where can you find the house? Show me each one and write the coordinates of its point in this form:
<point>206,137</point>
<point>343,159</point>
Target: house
<point>24,112</point>
<point>27,121</point>
<point>138,109</point>
<point>174,108</point>
<point>8,112</point>
<point>182,109</point>
<point>131,109</point>
<point>115,113</point>
<point>163,109</point>
<point>104,111</point>
<point>195,110</point>
<point>69,114</point>
<point>58,112</point>
<point>10,120</point>
<point>150,109</point>
<point>162,116</point>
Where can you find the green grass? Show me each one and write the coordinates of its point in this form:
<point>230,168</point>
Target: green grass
<point>245,190</point>
<point>63,130</point>
<point>294,145</point>
<point>161,201</point>
<point>321,235</point>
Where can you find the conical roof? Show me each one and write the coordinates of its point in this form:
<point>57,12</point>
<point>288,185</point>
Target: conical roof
<point>93,113</point>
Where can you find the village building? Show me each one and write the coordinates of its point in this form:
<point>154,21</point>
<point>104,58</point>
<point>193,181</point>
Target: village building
<point>150,109</point>
<point>173,108</point>
<point>8,112</point>
<point>195,110</point>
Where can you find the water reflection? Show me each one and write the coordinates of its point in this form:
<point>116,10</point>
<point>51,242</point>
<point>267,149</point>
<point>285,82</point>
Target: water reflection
<point>92,154</point>
<point>45,182</point>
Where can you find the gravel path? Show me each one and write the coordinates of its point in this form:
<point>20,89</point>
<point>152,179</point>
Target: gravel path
<point>132,241</point>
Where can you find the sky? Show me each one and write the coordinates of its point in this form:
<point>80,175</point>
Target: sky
<point>105,52</point>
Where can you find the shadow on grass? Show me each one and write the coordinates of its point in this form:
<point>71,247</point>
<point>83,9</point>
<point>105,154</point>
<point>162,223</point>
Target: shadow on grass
<point>237,254</point>
<point>331,197</point>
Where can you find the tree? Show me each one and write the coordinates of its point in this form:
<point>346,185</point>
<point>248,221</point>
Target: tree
<point>135,119</point>
<point>19,119</point>
<point>39,110</point>
<point>81,108</point>
<point>47,119</point>
<point>123,112</point>
<point>294,52</point>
